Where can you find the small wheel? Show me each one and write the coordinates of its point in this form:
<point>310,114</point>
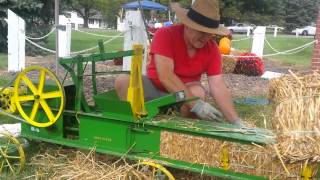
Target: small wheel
<point>149,170</point>
<point>305,33</point>
<point>6,103</point>
<point>12,157</point>
<point>38,96</point>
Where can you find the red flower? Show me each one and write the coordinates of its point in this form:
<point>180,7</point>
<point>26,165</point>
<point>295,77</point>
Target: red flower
<point>250,66</point>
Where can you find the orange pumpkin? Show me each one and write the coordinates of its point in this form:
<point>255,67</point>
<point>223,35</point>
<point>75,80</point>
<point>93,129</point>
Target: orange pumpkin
<point>225,46</point>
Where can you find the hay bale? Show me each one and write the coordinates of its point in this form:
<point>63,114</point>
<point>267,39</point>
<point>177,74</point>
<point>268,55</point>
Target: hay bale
<point>249,159</point>
<point>228,64</point>
<point>297,117</point>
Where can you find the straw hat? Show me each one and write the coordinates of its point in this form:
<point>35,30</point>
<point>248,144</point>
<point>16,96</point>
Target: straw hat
<point>203,16</point>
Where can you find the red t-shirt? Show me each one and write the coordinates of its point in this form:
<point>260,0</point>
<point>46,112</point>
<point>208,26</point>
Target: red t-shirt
<point>169,42</point>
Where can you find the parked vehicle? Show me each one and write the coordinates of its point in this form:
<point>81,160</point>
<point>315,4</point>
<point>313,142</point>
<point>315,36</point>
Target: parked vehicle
<point>306,31</point>
<point>275,26</point>
<point>241,28</point>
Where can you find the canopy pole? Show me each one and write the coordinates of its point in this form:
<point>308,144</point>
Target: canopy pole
<point>144,21</point>
<point>56,16</point>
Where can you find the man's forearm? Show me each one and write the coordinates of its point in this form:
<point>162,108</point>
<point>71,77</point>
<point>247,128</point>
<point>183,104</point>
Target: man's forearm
<point>173,84</point>
<point>224,101</point>
<point>223,98</point>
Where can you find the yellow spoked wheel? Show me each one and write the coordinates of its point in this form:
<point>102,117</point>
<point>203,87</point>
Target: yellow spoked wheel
<point>12,158</point>
<point>38,96</point>
<point>149,170</point>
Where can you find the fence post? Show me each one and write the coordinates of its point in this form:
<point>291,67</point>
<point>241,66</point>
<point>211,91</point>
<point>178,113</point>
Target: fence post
<point>248,31</point>
<point>315,65</point>
<point>275,32</point>
<point>64,36</point>
<point>135,33</point>
<point>16,42</point>
<point>258,40</point>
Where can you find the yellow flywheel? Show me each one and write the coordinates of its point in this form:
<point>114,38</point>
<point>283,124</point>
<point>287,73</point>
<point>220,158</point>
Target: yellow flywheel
<point>50,100</point>
<point>149,170</point>
<point>12,157</point>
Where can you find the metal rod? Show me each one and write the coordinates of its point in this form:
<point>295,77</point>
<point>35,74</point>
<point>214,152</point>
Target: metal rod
<point>56,14</point>
<point>13,116</point>
<point>144,21</point>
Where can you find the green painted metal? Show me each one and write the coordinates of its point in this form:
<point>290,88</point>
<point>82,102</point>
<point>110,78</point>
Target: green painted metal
<point>77,76</point>
<point>154,107</point>
<point>222,131</point>
<point>110,127</point>
<point>96,57</point>
<point>131,140</point>
<point>110,106</point>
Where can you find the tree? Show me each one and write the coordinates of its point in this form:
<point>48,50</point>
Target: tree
<point>87,8</point>
<point>38,15</point>
<point>300,13</point>
<point>110,10</point>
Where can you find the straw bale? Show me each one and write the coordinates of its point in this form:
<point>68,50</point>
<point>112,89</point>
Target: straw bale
<point>228,64</point>
<point>249,159</point>
<point>296,104</point>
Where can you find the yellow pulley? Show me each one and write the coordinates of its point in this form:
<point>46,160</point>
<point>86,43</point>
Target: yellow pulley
<point>39,97</point>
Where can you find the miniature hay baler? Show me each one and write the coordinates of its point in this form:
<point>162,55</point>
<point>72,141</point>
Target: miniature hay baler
<point>59,113</point>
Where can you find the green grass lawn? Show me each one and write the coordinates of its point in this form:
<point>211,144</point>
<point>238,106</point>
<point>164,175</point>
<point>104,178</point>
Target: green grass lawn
<point>281,43</point>
<point>3,61</point>
<point>81,41</point>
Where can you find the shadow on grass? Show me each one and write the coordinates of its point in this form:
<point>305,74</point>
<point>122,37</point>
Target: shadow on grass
<point>259,115</point>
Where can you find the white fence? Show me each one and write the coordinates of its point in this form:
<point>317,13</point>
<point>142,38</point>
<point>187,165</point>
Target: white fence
<point>134,32</point>
<point>16,42</point>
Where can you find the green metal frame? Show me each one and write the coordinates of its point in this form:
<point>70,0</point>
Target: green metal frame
<point>110,127</point>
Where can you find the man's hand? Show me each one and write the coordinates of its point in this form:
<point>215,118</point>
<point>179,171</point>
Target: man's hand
<point>207,112</point>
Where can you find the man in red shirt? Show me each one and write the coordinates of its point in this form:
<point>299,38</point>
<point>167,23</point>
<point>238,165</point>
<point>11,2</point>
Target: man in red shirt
<point>180,54</point>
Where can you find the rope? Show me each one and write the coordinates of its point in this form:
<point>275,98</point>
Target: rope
<point>273,49</point>
<point>287,52</point>
<point>98,35</point>
<point>294,50</point>
<point>53,29</point>
<point>92,48</point>
<point>237,40</point>
<point>41,47</point>
<point>77,52</point>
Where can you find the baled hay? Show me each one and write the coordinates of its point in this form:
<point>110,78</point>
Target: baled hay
<point>249,159</point>
<point>71,164</point>
<point>296,101</point>
<point>228,64</point>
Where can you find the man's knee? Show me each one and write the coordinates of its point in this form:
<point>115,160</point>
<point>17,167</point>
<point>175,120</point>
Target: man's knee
<point>121,85</point>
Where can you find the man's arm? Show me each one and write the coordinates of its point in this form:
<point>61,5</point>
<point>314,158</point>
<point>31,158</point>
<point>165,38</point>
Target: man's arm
<point>168,78</point>
<point>221,94</point>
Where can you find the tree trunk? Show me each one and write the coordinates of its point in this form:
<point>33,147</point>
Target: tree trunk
<point>86,22</point>
<point>86,18</point>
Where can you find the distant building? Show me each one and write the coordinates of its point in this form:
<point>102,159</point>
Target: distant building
<point>95,22</point>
